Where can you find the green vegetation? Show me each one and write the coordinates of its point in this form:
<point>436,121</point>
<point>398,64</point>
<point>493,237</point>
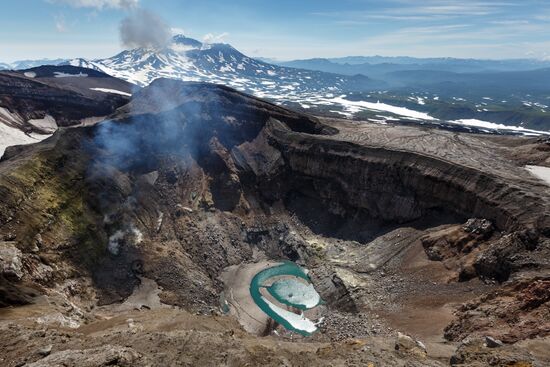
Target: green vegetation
<point>47,191</point>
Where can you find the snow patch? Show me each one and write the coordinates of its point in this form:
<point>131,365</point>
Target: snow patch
<point>355,106</point>
<point>60,74</point>
<point>10,118</point>
<point>298,322</point>
<point>540,172</point>
<point>47,123</point>
<point>13,136</point>
<point>296,292</point>
<point>113,91</point>
<point>495,126</point>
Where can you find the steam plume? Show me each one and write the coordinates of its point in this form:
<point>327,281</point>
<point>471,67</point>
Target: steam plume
<point>144,29</point>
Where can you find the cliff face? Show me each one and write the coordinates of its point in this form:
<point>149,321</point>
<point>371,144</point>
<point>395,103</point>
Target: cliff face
<point>400,185</point>
<point>34,99</point>
<point>191,178</point>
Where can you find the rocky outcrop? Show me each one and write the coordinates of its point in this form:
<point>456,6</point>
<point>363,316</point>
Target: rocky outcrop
<point>332,289</point>
<point>10,261</point>
<point>475,353</point>
<point>458,246</point>
<point>511,253</point>
<point>518,311</point>
<point>95,357</point>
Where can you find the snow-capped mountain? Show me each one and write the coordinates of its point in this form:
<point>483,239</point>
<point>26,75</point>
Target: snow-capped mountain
<point>27,64</point>
<point>191,60</point>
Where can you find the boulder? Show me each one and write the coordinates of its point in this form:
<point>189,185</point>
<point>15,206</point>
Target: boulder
<point>45,351</point>
<point>478,226</point>
<point>10,261</point>
<point>408,344</point>
<point>491,342</point>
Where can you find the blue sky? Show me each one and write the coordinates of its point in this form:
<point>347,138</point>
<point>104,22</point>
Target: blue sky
<point>286,29</point>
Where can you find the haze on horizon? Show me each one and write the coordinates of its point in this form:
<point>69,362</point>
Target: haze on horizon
<point>285,30</point>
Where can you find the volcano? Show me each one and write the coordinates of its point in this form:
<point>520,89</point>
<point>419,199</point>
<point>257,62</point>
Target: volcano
<point>134,240</point>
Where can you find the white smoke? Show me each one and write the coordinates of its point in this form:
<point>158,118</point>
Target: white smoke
<point>138,236</point>
<point>130,235</point>
<point>144,29</point>
<point>115,241</point>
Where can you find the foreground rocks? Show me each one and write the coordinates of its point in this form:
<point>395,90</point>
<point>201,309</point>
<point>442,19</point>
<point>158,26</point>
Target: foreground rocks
<point>407,344</point>
<point>518,311</point>
<point>171,337</point>
<point>476,353</point>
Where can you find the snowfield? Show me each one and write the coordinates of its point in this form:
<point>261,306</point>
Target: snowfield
<point>356,106</point>
<point>10,134</point>
<point>494,126</point>
<point>13,136</point>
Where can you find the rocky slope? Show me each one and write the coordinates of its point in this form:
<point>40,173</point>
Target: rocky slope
<point>113,233</point>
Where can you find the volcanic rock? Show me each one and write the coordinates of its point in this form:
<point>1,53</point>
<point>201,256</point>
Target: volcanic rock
<point>10,261</point>
<point>491,342</point>
<point>408,344</point>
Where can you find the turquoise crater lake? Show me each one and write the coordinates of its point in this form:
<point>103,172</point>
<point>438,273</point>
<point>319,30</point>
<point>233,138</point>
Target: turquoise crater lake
<point>293,289</point>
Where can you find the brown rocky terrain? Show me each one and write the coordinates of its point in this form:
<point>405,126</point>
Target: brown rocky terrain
<point>421,242</point>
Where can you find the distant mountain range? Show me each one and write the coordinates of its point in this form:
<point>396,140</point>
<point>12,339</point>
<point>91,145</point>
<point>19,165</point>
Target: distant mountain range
<point>27,64</point>
<point>473,93</point>
<point>374,65</point>
<point>447,77</point>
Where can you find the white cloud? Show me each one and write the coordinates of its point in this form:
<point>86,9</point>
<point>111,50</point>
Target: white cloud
<point>212,38</point>
<point>60,24</point>
<point>414,10</point>
<point>99,4</point>
<point>176,31</point>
